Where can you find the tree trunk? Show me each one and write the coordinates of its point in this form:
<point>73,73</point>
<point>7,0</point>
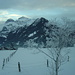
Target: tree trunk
<point>56,66</point>
<point>56,71</point>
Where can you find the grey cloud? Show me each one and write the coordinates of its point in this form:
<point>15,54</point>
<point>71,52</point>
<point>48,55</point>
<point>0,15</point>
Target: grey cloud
<point>44,5</point>
<point>7,4</point>
<point>32,4</point>
<point>70,13</point>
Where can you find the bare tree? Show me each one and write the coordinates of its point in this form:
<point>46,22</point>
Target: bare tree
<point>58,57</point>
<point>57,54</point>
<point>57,51</point>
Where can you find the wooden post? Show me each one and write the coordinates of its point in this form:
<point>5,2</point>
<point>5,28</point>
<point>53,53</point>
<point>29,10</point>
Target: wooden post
<point>19,68</point>
<point>7,59</point>
<point>68,58</point>
<point>3,63</point>
<point>47,63</point>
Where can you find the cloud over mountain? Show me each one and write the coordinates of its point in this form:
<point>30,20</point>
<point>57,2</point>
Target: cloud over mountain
<point>42,7</point>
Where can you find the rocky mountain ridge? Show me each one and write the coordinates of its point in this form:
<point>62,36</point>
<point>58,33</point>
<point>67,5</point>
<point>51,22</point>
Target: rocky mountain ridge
<point>39,30</point>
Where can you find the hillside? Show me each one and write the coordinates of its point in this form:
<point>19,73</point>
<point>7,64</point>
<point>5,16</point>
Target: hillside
<point>40,31</point>
<point>33,63</point>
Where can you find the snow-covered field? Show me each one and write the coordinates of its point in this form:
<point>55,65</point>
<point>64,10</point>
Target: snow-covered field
<point>32,63</point>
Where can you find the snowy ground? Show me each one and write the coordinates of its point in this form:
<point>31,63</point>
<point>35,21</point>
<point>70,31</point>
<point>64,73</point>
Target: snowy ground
<point>69,68</point>
<point>32,63</point>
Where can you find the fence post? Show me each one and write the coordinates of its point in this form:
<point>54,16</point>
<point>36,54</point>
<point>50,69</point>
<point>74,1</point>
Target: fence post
<point>6,60</point>
<point>68,58</point>
<point>3,63</point>
<point>19,68</point>
<point>47,63</point>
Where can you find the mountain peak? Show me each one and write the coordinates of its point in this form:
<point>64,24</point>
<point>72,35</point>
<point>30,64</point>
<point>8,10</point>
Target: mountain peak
<point>23,18</point>
<point>43,19</point>
<point>9,20</point>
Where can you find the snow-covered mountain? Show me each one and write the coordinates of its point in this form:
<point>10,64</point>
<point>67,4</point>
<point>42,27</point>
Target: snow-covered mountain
<point>35,30</point>
<point>11,25</point>
<point>24,21</point>
<point>40,30</point>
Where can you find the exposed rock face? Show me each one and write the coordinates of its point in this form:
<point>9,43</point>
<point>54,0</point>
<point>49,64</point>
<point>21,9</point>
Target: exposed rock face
<point>39,30</point>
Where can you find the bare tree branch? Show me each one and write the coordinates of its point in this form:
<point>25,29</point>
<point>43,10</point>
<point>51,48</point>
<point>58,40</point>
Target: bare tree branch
<point>46,54</point>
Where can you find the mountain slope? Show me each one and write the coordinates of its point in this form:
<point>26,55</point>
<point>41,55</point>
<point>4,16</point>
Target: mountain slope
<point>40,31</point>
<point>11,25</point>
<point>36,29</point>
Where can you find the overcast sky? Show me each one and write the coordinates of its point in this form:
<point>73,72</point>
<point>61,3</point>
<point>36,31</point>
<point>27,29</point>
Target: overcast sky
<point>36,8</point>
